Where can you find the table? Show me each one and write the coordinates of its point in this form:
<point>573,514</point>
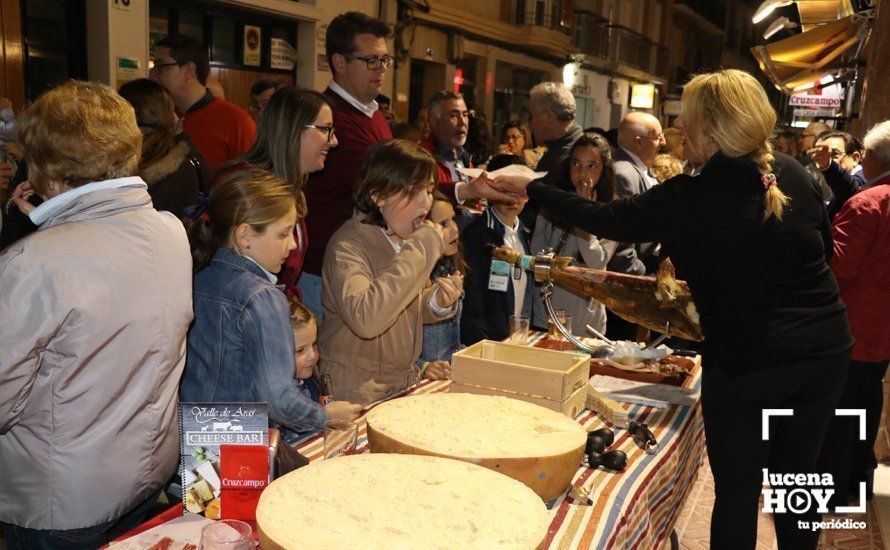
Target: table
<point>636,508</point>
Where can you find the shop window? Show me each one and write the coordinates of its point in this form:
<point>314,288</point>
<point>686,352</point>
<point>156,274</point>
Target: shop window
<point>158,23</point>
<point>222,48</point>
<point>519,14</point>
<point>191,23</point>
<point>55,43</point>
<point>222,30</point>
<point>465,80</point>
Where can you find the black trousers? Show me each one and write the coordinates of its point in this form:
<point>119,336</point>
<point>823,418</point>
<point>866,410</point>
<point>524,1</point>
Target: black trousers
<point>732,409</point>
<point>849,459</point>
<point>21,538</point>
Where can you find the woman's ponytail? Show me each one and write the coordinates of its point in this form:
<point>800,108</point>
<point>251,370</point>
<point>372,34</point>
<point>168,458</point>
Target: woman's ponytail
<point>202,242</point>
<point>774,199</point>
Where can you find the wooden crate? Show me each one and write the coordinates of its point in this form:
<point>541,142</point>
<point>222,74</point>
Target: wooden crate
<point>571,407</point>
<point>549,378</point>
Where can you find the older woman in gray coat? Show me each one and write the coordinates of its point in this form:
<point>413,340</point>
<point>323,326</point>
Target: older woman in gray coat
<point>94,306</point>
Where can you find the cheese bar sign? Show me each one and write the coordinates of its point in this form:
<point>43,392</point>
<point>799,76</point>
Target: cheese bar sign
<point>204,428</point>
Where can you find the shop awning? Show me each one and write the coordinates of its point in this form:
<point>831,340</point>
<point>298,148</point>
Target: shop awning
<point>807,57</point>
<point>816,12</point>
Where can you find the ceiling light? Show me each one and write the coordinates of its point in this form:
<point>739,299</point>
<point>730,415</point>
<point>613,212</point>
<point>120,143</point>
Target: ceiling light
<point>768,7</point>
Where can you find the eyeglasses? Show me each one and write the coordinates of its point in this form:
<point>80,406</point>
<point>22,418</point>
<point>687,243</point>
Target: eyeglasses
<point>837,154</point>
<point>158,66</point>
<point>372,61</point>
<point>257,106</point>
<point>327,129</point>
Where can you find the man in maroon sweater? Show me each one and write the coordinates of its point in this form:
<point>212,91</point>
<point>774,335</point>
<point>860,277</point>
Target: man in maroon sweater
<point>356,49</point>
<point>357,54</point>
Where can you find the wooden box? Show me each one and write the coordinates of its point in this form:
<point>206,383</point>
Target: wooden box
<point>556,380</point>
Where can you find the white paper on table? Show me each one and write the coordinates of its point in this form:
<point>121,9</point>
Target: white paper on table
<point>184,529</point>
<point>643,393</point>
<point>511,170</point>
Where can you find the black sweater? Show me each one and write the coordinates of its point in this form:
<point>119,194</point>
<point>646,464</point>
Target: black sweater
<point>764,291</point>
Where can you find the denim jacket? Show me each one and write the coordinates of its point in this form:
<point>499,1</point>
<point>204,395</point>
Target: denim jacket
<point>241,347</point>
<point>441,340</point>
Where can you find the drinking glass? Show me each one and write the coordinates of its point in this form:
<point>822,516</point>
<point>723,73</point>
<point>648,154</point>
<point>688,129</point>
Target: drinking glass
<point>565,319</point>
<point>227,534</point>
<point>518,329</point>
<point>340,437</point>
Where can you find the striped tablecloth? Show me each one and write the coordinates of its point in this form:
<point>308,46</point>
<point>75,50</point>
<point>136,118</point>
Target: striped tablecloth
<point>636,508</point>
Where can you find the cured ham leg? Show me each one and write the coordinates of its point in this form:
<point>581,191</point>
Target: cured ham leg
<point>651,302</point>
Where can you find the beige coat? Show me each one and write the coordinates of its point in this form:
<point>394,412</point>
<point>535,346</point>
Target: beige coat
<point>94,309</point>
<point>375,303</point>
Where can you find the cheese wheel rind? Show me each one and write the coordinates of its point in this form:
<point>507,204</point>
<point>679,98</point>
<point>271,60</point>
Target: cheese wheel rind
<point>534,445</point>
<point>398,501</point>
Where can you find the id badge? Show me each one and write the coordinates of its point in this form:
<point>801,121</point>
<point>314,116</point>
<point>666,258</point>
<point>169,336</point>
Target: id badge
<point>499,277</point>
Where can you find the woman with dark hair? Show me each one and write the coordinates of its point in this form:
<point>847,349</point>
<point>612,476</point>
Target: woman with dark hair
<point>591,175</point>
<point>517,140</point>
<point>171,166</point>
<point>294,136</point>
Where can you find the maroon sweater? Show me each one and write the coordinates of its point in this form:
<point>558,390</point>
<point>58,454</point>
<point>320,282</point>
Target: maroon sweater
<point>329,192</point>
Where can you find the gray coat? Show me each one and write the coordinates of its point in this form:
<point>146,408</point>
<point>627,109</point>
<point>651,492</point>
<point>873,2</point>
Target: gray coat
<point>94,306</point>
<point>589,251</point>
<point>629,181</point>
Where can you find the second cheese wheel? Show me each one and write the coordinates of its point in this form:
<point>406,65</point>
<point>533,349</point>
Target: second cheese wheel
<point>537,446</point>
<point>399,501</point>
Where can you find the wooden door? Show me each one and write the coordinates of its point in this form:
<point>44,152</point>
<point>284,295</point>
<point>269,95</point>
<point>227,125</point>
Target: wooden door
<point>237,83</point>
<point>12,67</point>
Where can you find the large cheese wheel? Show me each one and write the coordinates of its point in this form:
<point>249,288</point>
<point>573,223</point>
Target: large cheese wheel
<point>537,446</point>
<point>398,501</point>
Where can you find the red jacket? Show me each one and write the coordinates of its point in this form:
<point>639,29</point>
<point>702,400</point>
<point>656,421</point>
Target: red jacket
<point>220,130</point>
<point>329,192</point>
<point>861,264</point>
<point>443,176</point>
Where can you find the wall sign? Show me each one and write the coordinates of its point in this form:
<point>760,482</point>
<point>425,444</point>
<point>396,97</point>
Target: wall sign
<point>127,69</point>
<point>284,56</point>
<point>252,45</point>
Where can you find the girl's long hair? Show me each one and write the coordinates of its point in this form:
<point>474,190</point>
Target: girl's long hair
<point>155,115</point>
<point>250,195</point>
<point>458,258</point>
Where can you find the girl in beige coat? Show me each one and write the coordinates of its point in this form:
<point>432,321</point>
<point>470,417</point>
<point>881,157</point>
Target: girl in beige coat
<point>375,292</point>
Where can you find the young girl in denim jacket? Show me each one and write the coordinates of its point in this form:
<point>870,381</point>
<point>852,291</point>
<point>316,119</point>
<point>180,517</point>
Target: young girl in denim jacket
<point>240,347</point>
<point>442,339</point>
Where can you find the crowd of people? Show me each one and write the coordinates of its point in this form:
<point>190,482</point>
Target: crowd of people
<point>161,243</point>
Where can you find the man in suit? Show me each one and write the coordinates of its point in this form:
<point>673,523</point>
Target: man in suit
<point>639,138</point>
